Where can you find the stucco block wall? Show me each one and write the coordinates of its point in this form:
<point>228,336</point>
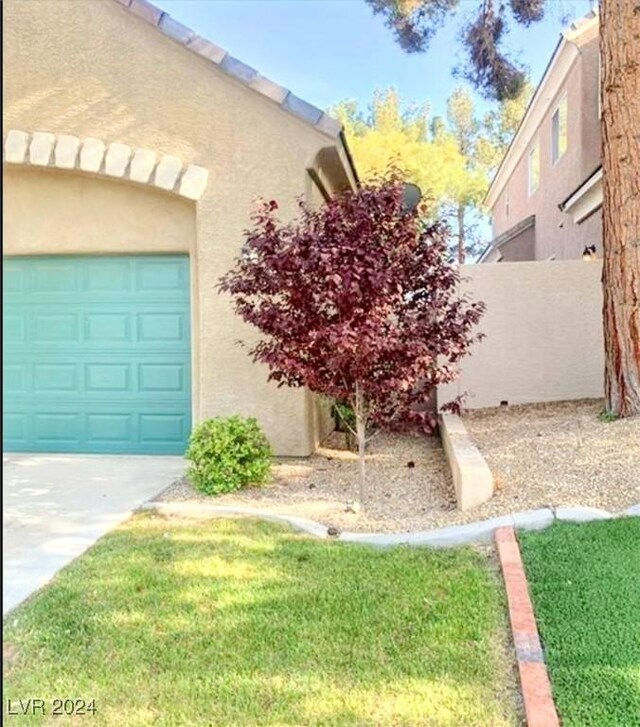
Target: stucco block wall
<point>555,232</point>
<point>93,69</point>
<point>543,328</point>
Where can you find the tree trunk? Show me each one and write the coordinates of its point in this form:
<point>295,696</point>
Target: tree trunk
<point>361,432</point>
<point>620,54</point>
<point>462,253</point>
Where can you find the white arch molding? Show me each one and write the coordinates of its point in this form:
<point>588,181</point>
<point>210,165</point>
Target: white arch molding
<point>115,160</point>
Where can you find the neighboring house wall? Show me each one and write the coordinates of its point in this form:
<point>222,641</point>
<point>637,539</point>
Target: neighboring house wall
<point>555,232</point>
<point>94,69</point>
<point>521,247</point>
<point>543,328</point>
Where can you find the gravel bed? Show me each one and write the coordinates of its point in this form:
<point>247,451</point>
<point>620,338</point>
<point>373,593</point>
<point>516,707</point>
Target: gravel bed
<point>408,480</point>
<point>542,455</point>
<point>557,454</point>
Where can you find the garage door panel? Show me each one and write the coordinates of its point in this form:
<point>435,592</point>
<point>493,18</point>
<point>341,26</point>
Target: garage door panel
<point>55,377</point>
<point>101,327</point>
<point>162,428</point>
<point>54,277</point>
<point>13,329</point>
<point>157,276</point>
<point>107,276</point>
<point>57,426</point>
<point>107,377</point>
<point>54,328</point>
<point>102,370</point>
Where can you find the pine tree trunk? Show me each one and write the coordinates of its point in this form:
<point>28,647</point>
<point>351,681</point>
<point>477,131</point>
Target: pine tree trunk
<point>620,53</point>
<point>461,238</point>
<point>361,432</point>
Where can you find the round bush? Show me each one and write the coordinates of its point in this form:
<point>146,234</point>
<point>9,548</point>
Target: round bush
<point>227,454</point>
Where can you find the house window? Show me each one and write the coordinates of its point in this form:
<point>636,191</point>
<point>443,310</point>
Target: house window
<point>559,131</point>
<point>506,208</point>
<point>534,168</point>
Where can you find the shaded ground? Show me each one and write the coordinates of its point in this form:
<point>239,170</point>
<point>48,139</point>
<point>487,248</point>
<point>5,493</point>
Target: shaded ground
<point>243,623</point>
<point>408,480</point>
<point>585,585</point>
<point>542,455</point>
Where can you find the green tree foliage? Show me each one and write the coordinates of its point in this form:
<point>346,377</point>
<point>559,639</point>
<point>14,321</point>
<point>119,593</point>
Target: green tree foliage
<point>489,68</point>
<point>451,160</point>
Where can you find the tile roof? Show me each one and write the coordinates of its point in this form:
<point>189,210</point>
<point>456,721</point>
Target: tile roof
<point>232,66</point>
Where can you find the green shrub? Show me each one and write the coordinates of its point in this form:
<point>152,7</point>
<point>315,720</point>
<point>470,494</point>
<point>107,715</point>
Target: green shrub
<point>344,416</point>
<point>227,454</point>
<point>608,416</point>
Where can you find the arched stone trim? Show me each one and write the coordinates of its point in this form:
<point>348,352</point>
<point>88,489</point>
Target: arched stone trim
<point>62,151</point>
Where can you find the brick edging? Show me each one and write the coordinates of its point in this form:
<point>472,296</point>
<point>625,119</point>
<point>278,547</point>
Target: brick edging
<point>539,707</point>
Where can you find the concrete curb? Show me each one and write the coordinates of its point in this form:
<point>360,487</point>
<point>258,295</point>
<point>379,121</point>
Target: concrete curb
<point>472,478</point>
<point>480,532</point>
<point>536,688</point>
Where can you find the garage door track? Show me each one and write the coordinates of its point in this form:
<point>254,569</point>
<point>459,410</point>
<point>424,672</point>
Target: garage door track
<point>57,505</point>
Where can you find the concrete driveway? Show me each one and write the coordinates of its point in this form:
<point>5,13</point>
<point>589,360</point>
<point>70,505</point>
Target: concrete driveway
<point>57,505</point>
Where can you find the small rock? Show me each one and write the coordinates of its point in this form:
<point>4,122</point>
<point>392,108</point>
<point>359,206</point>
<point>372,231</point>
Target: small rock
<point>333,532</point>
<point>352,506</point>
<point>312,486</point>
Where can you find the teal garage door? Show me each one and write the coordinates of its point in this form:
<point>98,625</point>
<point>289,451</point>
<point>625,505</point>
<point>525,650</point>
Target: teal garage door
<point>96,354</point>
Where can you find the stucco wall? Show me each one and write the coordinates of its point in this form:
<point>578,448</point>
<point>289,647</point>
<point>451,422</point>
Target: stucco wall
<point>543,327</point>
<point>556,233</point>
<point>47,212</point>
<point>521,247</point>
<point>93,69</point>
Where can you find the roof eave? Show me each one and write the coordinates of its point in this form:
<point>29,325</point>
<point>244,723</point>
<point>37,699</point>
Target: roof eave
<point>233,67</point>
<point>568,37</point>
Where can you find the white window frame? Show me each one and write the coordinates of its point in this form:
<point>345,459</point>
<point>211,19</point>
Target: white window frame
<point>556,152</point>
<point>533,150</point>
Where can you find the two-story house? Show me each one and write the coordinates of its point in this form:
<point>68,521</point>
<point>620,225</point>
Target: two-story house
<point>546,196</point>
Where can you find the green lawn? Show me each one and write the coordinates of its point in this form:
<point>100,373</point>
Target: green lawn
<point>585,584</point>
<point>246,623</point>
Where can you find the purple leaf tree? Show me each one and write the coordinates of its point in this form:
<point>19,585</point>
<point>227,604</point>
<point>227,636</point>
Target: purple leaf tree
<point>357,301</point>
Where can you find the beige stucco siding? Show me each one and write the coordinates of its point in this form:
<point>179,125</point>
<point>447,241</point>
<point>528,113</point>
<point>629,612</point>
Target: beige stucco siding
<point>48,212</point>
<point>93,69</point>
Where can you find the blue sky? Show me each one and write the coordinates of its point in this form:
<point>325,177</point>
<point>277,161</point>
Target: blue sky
<point>329,50</point>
